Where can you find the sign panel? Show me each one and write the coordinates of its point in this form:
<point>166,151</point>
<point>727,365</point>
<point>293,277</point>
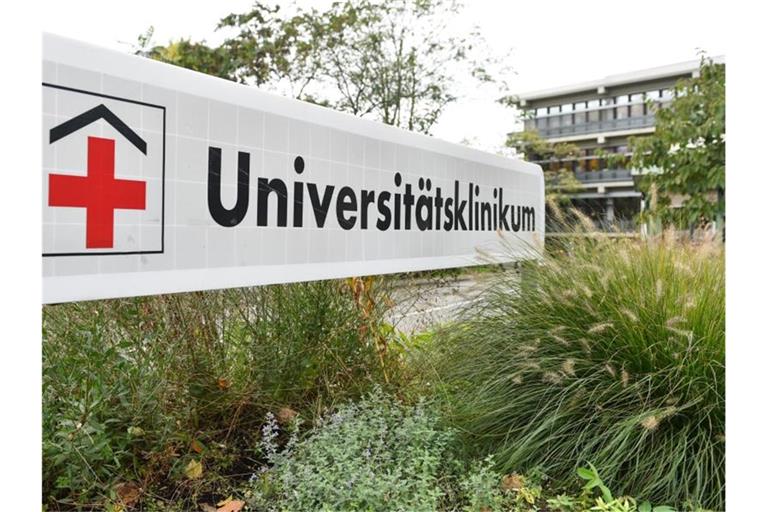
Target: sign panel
<point>157,179</point>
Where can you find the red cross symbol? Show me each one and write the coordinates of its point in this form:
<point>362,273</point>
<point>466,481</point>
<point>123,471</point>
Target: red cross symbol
<point>98,192</point>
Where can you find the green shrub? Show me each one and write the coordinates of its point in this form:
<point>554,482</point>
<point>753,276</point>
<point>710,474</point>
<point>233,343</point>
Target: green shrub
<point>611,352</point>
<point>135,389</point>
<point>373,455</point>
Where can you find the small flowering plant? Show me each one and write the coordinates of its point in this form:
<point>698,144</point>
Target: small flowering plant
<point>375,454</point>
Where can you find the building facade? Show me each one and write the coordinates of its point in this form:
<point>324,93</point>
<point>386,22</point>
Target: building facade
<point>599,117</point>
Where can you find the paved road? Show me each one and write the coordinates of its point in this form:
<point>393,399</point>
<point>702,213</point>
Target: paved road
<point>424,304</point>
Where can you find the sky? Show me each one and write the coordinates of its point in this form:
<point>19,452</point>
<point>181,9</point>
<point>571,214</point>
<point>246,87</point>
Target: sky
<point>549,43</point>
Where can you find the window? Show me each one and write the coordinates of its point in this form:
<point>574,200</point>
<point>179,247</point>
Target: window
<point>541,111</point>
<point>593,104</point>
<point>652,97</point>
<point>568,107</point>
<point>581,105</point>
<point>637,108</point>
<point>555,109</point>
<point>622,100</point>
<point>529,124</point>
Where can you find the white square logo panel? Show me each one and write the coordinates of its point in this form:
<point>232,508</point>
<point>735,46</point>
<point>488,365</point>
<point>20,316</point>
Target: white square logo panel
<point>103,174</point>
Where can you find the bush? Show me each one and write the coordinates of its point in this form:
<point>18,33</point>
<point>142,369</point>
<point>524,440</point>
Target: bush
<point>611,352</point>
<point>136,389</point>
<point>373,455</point>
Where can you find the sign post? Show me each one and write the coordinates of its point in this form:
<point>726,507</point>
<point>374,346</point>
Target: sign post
<point>157,179</point>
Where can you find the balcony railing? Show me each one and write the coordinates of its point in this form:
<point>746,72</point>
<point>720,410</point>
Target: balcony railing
<point>604,175</point>
<point>589,178</point>
<point>610,125</point>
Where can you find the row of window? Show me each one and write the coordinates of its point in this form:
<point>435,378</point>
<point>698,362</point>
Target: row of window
<point>603,115</point>
<point>624,99</point>
<point>584,165</point>
<point>588,160</point>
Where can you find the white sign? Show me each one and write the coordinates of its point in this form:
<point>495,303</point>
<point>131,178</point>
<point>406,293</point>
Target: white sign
<point>157,179</point>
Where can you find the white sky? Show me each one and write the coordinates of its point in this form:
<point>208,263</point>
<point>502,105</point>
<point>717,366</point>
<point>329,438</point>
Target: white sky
<point>552,43</point>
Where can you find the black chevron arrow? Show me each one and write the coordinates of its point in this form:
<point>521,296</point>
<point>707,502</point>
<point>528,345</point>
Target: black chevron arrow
<point>90,116</point>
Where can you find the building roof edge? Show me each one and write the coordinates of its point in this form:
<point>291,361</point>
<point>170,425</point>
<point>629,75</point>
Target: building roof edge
<point>618,79</point>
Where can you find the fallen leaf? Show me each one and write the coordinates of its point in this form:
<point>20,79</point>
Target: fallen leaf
<point>286,415</point>
<point>512,482</point>
<point>196,446</point>
<point>135,431</point>
<point>128,493</point>
<point>224,383</point>
<point>194,470</point>
<point>231,506</point>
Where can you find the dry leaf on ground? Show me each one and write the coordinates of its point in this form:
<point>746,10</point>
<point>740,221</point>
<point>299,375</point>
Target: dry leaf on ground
<point>512,482</point>
<point>128,493</point>
<point>196,446</point>
<point>194,470</point>
<point>230,505</point>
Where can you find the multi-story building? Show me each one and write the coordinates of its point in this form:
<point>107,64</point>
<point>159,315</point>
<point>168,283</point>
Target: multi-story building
<point>599,117</point>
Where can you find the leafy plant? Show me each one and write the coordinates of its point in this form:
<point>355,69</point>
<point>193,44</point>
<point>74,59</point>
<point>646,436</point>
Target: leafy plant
<point>480,488</point>
<point>163,393</point>
<point>606,502</point>
<point>373,455</point>
<point>608,351</point>
<point>685,155</point>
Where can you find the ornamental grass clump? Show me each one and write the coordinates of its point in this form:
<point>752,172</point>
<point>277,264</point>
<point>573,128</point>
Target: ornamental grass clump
<point>610,352</point>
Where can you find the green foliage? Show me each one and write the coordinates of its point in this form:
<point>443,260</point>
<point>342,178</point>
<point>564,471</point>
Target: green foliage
<point>135,389</point>
<point>392,61</point>
<point>559,181</point>
<point>593,481</point>
<point>603,503</point>
<point>686,153</point>
<point>189,54</point>
<point>481,488</point>
<point>610,352</point>
<point>373,455</point>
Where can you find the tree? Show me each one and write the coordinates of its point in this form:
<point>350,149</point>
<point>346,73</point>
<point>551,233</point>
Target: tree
<point>257,56</point>
<point>559,181</point>
<point>393,61</point>
<point>685,157</point>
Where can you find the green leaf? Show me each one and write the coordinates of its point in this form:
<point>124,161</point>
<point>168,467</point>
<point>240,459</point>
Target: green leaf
<point>585,473</point>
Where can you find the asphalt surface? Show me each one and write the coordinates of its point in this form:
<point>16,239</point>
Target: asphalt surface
<point>424,304</point>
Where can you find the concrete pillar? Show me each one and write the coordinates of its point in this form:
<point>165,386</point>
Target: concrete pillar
<point>609,209</point>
